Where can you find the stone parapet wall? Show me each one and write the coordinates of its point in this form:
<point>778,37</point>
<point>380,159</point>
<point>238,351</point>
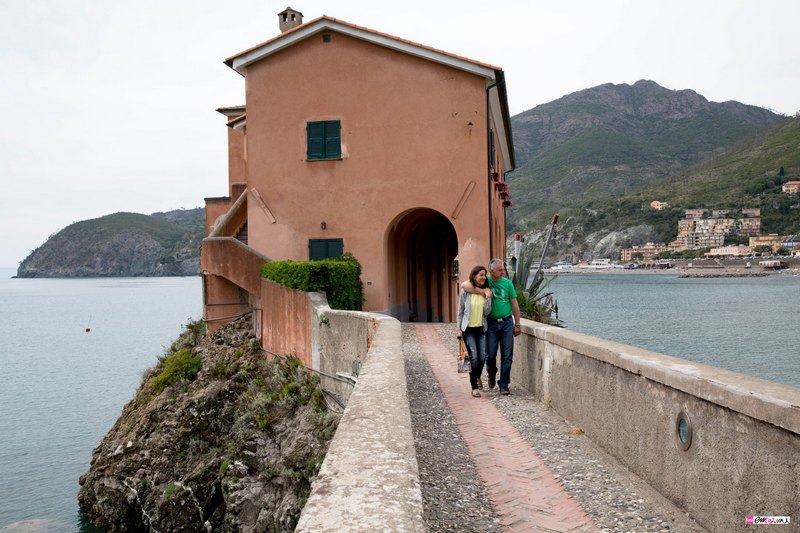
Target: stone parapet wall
<point>369,480</point>
<point>745,441</point>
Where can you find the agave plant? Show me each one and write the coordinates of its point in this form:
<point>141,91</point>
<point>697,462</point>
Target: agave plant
<point>535,300</point>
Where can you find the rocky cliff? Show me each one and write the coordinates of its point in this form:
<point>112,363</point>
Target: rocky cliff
<point>218,438</point>
<point>122,244</point>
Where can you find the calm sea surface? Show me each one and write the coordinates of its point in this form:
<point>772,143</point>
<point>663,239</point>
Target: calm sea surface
<point>746,325</point>
<point>63,388</point>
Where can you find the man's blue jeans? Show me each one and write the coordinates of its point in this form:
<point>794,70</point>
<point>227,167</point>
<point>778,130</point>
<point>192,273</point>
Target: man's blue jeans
<point>500,332</point>
<point>475,341</point>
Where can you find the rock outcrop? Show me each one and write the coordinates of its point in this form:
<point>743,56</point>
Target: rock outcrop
<point>217,438</point>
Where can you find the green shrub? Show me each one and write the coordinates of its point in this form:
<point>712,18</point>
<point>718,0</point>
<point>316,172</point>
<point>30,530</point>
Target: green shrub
<point>183,364</point>
<point>263,420</point>
<point>220,370</point>
<point>339,279</point>
<point>191,335</point>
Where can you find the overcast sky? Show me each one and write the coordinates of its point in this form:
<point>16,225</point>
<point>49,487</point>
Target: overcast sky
<point>109,106</point>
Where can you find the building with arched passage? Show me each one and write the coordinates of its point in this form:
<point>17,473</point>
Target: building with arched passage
<point>352,140</point>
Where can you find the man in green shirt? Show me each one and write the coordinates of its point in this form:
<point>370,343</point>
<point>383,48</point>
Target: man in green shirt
<point>503,323</point>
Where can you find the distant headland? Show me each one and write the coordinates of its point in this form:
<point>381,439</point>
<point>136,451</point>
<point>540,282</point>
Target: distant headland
<point>121,245</point>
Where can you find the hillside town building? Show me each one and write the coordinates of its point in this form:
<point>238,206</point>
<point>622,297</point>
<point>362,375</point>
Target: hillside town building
<point>791,187</point>
<point>774,242</point>
<point>353,140</point>
<point>791,242</point>
<point>739,250</point>
<point>646,251</point>
<point>701,228</point>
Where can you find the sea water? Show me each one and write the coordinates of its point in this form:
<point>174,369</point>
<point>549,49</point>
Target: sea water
<point>749,325</point>
<point>73,353</point>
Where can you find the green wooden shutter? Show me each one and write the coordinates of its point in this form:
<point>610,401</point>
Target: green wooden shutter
<point>315,132</point>
<point>333,144</point>
<point>335,248</point>
<point>316,249</point>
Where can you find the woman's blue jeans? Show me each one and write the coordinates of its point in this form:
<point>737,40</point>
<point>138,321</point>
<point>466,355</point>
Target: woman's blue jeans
<point>475,341</point>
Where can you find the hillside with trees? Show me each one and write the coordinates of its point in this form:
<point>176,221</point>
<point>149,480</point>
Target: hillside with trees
<point>614,140</point>
<point>122,244</point>
<point>749,175</point>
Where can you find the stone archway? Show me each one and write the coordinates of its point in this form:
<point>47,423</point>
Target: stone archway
<point>422,245</point>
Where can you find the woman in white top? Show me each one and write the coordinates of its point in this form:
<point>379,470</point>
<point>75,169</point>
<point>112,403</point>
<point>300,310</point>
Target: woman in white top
<point>471,318</point>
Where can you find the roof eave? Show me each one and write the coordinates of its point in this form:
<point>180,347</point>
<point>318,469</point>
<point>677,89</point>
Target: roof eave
<point>240,62</point>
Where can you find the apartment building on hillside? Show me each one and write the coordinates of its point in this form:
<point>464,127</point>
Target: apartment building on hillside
<point>703,228</point>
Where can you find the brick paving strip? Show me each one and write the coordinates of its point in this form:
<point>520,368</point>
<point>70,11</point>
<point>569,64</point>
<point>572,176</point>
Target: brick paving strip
<point>523,491</point>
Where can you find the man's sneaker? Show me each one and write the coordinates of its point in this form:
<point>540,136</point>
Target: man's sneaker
<point>491,382</point>
<point>504,391</point>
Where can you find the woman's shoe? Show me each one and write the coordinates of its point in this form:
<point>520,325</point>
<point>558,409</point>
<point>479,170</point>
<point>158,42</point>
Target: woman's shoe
<point>480,384</point>
<point>476,393</point>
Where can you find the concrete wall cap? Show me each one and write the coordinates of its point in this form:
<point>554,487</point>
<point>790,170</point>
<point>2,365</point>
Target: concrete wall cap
<point>760,399</point>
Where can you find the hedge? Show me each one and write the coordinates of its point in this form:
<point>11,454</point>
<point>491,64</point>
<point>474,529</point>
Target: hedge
<point>339,279</point>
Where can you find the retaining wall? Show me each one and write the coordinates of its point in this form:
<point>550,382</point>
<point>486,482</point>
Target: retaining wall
<point>742,459</point>
<point>369,480</point>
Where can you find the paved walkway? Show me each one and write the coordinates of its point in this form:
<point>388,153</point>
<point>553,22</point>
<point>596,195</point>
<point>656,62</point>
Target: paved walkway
<point>523,491</point>
<point>507,463</point>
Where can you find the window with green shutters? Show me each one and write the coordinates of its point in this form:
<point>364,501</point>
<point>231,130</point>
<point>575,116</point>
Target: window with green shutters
<point>319,249</point>
<point>324,139</point>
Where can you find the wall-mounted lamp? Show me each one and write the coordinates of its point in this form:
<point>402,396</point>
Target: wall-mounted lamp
<point>323,225</point>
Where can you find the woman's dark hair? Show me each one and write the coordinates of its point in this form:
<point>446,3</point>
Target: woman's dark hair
<point>475,273</point>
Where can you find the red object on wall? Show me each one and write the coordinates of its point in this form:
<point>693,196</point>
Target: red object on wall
<point>501,185</point>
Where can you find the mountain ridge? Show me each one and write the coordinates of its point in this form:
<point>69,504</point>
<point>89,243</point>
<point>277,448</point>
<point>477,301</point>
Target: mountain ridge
<point>611,139</point>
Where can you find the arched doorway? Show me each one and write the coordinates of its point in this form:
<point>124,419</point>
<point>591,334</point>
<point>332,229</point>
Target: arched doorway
<point>422,245</point>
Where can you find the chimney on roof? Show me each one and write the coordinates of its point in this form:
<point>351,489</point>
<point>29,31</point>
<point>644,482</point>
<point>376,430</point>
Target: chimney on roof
<point>288,19</point>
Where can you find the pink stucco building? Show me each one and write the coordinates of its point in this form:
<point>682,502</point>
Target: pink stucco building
<point>352,140</point>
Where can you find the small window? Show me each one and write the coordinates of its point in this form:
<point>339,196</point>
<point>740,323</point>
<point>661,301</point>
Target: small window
<point>319,249</point>
<point>324,139</point>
